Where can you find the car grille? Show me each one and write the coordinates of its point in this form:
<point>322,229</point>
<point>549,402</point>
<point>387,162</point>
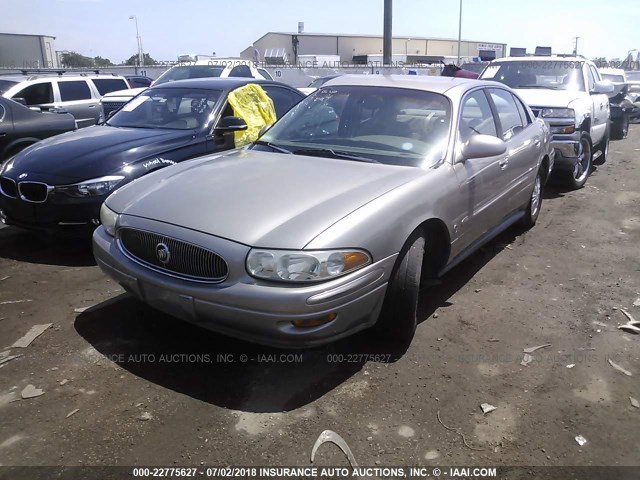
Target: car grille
<point>108,107</point>
<point>184,260</point>
<point>8,187</point>
<point>33,191</point>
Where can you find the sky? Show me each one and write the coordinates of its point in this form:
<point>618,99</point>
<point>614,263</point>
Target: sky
<point>173,27</point>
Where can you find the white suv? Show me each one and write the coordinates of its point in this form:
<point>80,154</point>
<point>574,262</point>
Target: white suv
<point>570,95</point>
<point>77,94</point>
<point>212,67</point>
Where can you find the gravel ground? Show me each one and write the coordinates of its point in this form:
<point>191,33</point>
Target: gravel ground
<point>150,390</point>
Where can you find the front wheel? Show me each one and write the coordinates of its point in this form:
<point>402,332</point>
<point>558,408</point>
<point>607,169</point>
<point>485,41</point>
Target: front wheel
<point>535,202</point>
<point>398,319</point>
<point>582,169</point>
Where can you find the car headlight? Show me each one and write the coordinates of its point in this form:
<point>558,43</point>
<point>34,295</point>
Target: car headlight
<point>6,166</point>
<point>108,218</point>
<point>558,113</point>
<point>302,266</point>
<point>91,188</point>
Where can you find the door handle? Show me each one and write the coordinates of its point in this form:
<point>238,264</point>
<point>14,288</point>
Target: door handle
<point>92,106</point>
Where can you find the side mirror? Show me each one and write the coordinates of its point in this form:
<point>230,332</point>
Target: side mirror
<point>604,86</point>
<point>111,114</point>
<point>483,146</point>
<point>264,130</point>
<point>231,124</point>
<point>20,100</point>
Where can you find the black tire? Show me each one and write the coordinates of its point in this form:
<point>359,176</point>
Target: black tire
<point>398,319</point>
<point>535,202</point>
<point>578,177</point>
<point>620,128</point>
<point>603,148</point>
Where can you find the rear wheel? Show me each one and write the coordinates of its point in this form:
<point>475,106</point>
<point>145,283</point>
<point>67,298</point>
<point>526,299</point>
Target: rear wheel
<point>582,169</point>
<point>398,319</point>
<point>535,202</point>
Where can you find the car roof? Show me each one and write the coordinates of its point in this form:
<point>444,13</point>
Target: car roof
<point>428,83</point>
<point>215,83</point>
<point>540,58</point>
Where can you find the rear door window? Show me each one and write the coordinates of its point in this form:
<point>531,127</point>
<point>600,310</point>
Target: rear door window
<point>74,90</point>
<point>107,85</point>
<point>36,94</point>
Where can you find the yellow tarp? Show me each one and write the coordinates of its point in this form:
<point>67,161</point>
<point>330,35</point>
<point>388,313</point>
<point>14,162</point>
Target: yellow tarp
<point>253,105</point>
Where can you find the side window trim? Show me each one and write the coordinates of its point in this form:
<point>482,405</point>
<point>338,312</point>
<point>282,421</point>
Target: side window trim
<point>527,120</point>
<point>497,116</point>
<point>89,87</point>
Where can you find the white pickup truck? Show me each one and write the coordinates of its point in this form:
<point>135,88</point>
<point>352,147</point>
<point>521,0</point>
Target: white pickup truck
<point>570,95</point>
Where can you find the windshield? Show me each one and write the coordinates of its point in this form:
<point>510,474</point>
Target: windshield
<point>381,124</point>
<point>174,108</point>
<point>613,78</point>
<point>6,85</point>
<point>190,71</point>
<point>556,75</point>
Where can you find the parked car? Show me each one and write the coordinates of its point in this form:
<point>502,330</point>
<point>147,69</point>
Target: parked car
<point>316,83</point>
<point>59,183</point>
<point>20,126</point>
<point>620,104</point>
<point>138,81</point>
<point>326,225</point>
<point>77,94</point>
<point>475,67</point>
<point>212,68</point>
<point>570,95</point>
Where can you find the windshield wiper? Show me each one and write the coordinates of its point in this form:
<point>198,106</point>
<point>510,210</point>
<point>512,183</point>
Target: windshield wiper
<point>271,145</point>
<point>330,153</point>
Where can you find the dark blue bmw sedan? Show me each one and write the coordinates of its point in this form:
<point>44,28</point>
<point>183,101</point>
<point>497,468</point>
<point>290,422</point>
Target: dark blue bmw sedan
<point>60,183</point>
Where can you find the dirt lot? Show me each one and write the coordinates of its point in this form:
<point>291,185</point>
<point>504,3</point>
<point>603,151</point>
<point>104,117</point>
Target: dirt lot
<point>152,390</point>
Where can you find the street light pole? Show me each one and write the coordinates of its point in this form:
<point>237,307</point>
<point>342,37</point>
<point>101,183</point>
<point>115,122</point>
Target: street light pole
<point>459,31</point>
<point>387,40</point>
<point>575,50</point>
<point>139,41</point>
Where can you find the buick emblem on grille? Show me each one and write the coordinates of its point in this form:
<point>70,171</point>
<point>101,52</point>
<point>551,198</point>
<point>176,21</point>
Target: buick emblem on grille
<point>163,253</point>
<point>23,175</point>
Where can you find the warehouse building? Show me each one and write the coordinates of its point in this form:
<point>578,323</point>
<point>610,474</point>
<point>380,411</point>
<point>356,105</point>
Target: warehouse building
<point>287,47</point>
<point>27,51</point>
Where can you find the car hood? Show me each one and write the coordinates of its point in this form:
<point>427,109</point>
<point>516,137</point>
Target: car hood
<point>538,97</point>
<point>259,198</point>
<point>94,151</point>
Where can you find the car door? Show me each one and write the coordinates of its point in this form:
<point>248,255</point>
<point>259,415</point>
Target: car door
<point>480,179</point>
<point>6,129</point>
<point>77,98</point>
<point>600,108</point>
<point>523,139</point>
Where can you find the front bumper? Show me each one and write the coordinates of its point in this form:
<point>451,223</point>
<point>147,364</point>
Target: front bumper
<point>565,148</point>
<point>244,307</point>
<point>58,212</point>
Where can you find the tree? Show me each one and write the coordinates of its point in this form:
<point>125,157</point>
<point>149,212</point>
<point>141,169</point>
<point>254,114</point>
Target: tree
<point>133,60</point>
<point>102,62</point>
<point>74,59</point>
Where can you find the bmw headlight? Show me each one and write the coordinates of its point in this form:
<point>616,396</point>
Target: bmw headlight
<point>6,166</point>
<point>302,266</point>
<point>558,113</point>
<point>108,218</point>
<point>91,188</point>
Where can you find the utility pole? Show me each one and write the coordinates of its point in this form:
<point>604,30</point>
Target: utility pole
<point>575,49</point>
<point>387,43</point>
<point>459,31</point>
